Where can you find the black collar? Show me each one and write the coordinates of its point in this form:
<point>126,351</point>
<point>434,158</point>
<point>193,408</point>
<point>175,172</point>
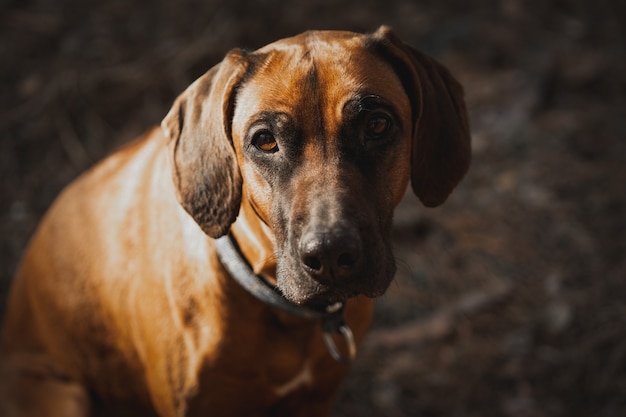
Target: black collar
<point>331,317</point>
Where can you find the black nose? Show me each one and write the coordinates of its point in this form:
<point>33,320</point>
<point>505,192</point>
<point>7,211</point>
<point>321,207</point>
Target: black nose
<point>330,255</point>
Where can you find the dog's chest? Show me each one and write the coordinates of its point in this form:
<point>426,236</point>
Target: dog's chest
<point>258,393</point>
<point>268,372</point>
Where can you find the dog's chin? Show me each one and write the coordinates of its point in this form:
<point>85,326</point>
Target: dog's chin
<point>320,297</point>
<point>318,300</point>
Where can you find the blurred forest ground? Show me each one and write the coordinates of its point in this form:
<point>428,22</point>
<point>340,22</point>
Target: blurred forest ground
<point>510,300</point>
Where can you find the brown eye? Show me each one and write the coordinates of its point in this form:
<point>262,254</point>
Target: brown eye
<point>377,126</point>
<point>265,142</point>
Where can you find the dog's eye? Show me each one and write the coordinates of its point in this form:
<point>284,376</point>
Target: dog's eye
<point>377,126</point>
<point>265,142</point>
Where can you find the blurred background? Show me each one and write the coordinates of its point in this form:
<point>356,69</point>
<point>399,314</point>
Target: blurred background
<point>510,300</point>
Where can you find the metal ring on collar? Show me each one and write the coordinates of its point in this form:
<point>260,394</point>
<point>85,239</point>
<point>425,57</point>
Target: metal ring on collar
<point>348,337</point>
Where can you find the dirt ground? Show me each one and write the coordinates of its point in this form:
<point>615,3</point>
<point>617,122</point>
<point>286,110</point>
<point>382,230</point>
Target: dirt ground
<point>510,299</point>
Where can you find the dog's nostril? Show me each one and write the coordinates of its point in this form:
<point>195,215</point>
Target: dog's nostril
<point>314,263</point>
<point>346,260</point>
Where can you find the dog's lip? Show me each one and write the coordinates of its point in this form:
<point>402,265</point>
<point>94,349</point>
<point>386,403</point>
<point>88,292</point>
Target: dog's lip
<point>319,296</point>
<point>321,300</point>
<point>322,304</point>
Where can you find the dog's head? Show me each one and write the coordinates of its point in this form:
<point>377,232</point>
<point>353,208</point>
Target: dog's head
<point>323,132</point>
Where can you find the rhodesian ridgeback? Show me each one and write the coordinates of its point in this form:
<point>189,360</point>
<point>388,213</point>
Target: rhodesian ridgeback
<point>225,263</point>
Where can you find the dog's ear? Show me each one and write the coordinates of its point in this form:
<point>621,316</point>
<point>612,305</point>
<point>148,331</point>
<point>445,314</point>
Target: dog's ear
<point>441,149</point>
<point>204,166</point>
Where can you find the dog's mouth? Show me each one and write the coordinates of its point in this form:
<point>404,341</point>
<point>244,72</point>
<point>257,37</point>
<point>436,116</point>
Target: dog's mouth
<point>320,301</point>
<point>325,301</point>
<point>305,291</point>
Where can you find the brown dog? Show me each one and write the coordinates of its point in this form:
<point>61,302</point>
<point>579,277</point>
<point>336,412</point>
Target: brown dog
<point>301,150</point>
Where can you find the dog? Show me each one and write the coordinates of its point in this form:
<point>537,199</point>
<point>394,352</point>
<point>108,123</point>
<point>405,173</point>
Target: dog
<point>294,157</point>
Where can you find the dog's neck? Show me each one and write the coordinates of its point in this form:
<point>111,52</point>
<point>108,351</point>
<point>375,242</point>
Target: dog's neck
<point>255,241</point>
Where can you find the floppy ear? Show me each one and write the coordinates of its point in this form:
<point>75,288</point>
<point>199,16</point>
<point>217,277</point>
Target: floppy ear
<point>441,148</point>
<point>204,167</point>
